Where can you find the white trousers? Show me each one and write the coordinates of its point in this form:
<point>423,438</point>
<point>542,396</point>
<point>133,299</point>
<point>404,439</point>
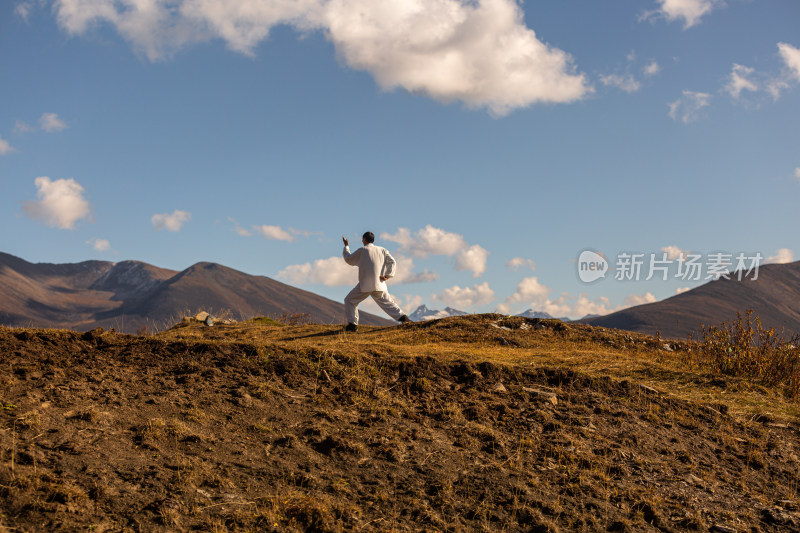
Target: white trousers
<point>382,298</point>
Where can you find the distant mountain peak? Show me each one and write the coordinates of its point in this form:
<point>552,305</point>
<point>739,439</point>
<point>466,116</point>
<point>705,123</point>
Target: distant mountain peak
<point>423,313</point>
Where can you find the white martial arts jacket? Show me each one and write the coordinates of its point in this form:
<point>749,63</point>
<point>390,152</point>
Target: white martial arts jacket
<point>372,262</point>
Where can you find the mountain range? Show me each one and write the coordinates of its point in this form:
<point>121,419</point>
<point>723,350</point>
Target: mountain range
<point>774,296</point>
<point>422,313</point>
<point>130,295</point>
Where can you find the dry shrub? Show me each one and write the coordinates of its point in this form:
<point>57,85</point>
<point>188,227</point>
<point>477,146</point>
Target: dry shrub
<point>746,348</point>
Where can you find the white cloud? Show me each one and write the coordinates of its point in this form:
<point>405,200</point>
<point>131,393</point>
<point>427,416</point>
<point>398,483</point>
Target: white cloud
<point>238,229</point>
<point>681,290</point>
<point>530,292</point>
<point>652,68</point>
<point>739,81</point>
<point>435,241</point>
<point>22,127</point>
<point>479,52</point>
<point>427,241</point>
<point>472,259</point>
<point>466,297</point>
<point>273,233</point>
<point>50,122</point>
<point>533,294</point>
<point>690,11</point>
<point>673,252</point>
<point>520,262</point>
<point>23,10</point>
<point>61,203</point>
<point>625,82</point>
<point>687,109</point>
<point>426,276</point>
<point>791,57</point>
<point>331,272</point>
<point>639,299</point>
<point>170,221</point>
<point>783,255</point>
<point>100,245</point>
<point>5,148</point>
<point>797,173</point>
<point>304,232</point>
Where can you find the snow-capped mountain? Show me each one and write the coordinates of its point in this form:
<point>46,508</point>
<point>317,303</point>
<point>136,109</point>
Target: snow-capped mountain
<point>422,313</point>
<point>530,313</point>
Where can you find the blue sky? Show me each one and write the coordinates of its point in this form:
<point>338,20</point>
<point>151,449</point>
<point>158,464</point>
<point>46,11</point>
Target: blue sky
<point>486,143</point>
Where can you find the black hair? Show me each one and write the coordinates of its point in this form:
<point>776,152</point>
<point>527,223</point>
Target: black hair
<point>369,236</point>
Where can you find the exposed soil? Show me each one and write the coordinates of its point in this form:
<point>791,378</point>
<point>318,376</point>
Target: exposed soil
<point>109,432</point>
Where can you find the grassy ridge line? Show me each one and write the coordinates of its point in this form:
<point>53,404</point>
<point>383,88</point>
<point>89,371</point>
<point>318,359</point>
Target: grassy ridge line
<point>665,365</point>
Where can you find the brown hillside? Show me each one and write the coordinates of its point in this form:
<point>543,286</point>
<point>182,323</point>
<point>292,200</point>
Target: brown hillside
<point>774,297</point>
<point>479,423</point>
<point>130,295</point>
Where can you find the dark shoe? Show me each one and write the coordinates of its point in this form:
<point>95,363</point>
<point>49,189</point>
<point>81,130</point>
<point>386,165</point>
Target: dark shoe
<point>404,319</point>
<point>351,327</point>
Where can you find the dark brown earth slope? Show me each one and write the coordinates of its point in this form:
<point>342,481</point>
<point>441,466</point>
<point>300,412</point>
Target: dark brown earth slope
<point>269,428</point>
<point>774,297</point>
<point>130,295</point>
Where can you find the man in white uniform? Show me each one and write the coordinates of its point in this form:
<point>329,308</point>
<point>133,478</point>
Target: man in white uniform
<point>375,265</point>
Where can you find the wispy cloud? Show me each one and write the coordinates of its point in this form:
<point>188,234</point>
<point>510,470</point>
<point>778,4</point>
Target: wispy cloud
<point>739,80</point>
<point>60,203</point>
<point>652,68</point>
<point>170,221</point>
<point>22,127</point>
<point>626,82</point>
<point>99,245</point>
<point>51,123</point>
<point>687,108</point>
<point>520,262</point>
<point>5,148</point>
<point>273,233</point>
<point>480,53</point>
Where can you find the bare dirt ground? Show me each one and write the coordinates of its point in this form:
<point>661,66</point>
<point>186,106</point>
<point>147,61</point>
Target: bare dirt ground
<point>465,424</point>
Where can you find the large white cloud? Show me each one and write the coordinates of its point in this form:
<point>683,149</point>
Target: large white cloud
<point>60,203</point>
<point>466,297</point>
<point>436,241</point>
<point>477,51</point>
<point>332,272</point>
<point>170,221</point>
<point>473,259</point>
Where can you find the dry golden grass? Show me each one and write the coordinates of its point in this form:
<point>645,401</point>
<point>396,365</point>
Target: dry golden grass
<point>667,366</point>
